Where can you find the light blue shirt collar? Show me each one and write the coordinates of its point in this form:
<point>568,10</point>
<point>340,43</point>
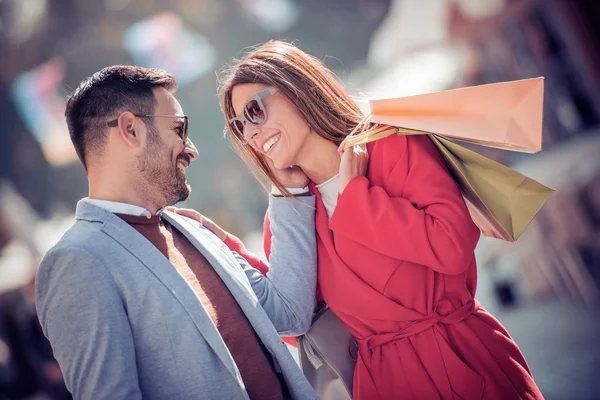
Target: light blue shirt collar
<point>116,207</point>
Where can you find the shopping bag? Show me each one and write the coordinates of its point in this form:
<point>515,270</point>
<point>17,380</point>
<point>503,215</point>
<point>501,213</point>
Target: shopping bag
<point>506,115</point>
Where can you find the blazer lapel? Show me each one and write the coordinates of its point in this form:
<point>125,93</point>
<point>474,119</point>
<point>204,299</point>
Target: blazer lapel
<point>231,273</point>
<point>160,266</point>
<point>222,262</point>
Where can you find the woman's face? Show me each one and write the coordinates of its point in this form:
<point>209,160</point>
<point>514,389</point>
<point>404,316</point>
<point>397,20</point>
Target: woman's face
<point>283,135</point>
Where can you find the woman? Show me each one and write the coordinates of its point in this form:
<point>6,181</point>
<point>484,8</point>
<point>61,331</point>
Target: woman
<point>395,239</point>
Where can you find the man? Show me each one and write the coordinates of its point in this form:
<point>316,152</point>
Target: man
<point>137,302</point>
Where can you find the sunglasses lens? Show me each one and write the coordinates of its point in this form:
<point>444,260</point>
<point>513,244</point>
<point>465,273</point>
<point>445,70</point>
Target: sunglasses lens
<point>186,124</point>
<point>254,113</point>
<point>238,127</point>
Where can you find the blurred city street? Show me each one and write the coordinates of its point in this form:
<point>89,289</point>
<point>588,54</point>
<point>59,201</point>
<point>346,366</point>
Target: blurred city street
<point>561,343</point>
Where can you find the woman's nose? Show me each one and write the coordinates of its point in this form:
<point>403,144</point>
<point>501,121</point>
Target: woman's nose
<point>190,150</point>
<point>250,131</point>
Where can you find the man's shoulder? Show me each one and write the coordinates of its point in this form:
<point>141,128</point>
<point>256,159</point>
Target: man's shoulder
<point>83,243</point>
<point>81,235</point>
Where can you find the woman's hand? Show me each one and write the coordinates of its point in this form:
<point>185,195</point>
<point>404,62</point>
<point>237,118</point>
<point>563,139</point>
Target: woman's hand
<point>354,163</point>
<point>206,222</point>
<point>291,177</point>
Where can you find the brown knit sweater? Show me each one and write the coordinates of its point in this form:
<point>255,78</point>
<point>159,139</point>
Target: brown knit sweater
<point>237,333</point>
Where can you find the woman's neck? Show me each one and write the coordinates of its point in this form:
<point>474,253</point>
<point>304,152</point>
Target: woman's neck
<point>319,159</point>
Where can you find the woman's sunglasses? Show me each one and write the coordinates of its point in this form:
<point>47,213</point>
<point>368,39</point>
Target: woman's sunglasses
<point>254,112</point>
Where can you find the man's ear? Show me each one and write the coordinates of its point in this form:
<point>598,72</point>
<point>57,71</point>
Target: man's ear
<point>130,129</point>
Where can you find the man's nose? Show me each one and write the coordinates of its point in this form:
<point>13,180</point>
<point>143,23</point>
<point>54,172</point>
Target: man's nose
<point>190,150</point>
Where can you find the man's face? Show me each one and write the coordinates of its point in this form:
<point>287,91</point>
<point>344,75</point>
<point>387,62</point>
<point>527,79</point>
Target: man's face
<point>163,163</point>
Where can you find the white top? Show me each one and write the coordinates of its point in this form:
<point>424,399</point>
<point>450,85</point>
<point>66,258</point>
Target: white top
<point>329,194</point>
<point>116,207</point>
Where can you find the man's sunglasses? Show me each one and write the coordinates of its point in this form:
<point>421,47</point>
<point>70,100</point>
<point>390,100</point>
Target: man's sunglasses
<point>184,130</point>
<point>254,112</point>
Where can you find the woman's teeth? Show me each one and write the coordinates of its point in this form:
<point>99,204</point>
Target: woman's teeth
<point>269,143</point>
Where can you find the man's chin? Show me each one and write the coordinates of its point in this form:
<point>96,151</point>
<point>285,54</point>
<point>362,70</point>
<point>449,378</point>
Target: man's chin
<point>185,193</point>
<point>182,194</point>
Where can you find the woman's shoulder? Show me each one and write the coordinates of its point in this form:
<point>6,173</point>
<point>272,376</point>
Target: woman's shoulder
<point>397,146</point>
<point>388,150</point>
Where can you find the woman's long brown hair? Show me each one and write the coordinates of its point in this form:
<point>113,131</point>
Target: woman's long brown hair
<point>305,81</point>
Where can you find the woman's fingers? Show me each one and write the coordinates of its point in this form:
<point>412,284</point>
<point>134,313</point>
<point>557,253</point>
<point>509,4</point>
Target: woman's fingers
<point>186,212</point>
<point>204,221</point>
<point>353,163</point>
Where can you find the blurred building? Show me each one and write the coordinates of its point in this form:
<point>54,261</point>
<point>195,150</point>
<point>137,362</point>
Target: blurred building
<point>558,39</point>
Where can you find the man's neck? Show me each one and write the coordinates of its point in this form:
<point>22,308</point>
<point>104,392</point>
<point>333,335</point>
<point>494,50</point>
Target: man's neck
<point>119,190</point>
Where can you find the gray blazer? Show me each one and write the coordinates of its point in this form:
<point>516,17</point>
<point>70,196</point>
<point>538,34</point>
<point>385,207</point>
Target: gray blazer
<point>124,324</point>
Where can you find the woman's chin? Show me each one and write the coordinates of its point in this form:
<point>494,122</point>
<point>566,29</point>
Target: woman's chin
<point>278,162</point>
<point>281,164</point>
<point>281,159</point>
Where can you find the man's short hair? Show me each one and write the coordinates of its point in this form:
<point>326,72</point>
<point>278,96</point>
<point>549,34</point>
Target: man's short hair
<point>104,96</point>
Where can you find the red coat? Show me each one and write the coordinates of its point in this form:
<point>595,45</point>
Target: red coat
<point>396,264</point>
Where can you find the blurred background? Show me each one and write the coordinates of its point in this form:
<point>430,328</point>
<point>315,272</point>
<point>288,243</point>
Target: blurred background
<point>544,288</point>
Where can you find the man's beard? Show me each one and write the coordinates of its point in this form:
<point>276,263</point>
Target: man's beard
<point>161,182</point>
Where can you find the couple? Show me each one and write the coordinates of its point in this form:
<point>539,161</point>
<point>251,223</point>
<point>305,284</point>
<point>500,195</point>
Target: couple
<point>138,301</point>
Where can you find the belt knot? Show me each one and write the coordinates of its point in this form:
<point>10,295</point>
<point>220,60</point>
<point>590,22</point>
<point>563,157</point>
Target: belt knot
<point>444,314</point>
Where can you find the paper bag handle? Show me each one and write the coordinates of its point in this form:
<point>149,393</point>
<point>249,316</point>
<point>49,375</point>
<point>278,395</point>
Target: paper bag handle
<point>378,132</point>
